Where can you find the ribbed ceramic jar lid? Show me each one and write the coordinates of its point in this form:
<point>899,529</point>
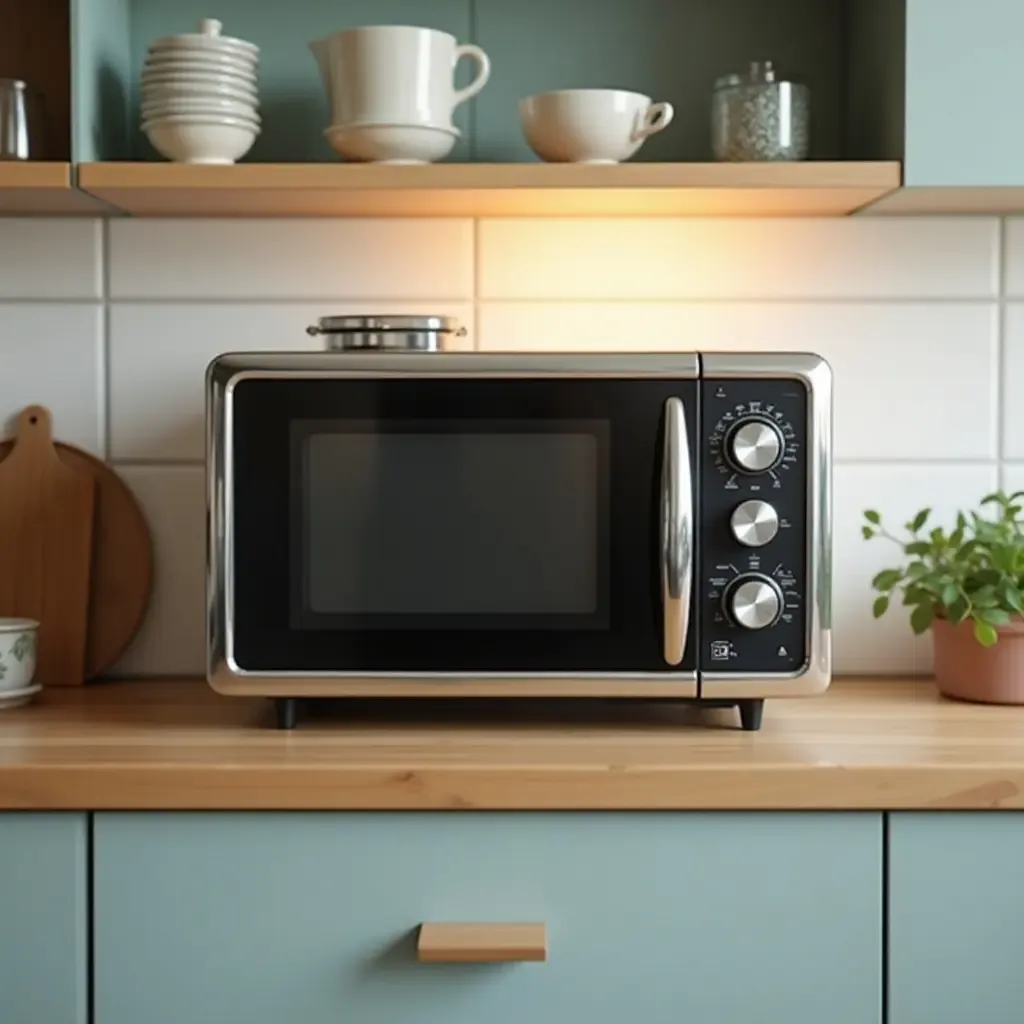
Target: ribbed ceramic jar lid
<point>207,38</point>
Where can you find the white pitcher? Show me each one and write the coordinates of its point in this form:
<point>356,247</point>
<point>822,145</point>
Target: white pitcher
<point>395,74</point>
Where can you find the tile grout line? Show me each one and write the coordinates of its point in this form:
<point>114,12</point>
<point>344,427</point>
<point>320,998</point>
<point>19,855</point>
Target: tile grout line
<point>723,300</point>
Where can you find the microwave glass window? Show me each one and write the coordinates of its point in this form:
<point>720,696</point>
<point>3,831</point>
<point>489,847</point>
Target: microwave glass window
<point>480,520</point>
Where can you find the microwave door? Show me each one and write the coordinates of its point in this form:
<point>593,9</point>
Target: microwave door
<point>676,550</point>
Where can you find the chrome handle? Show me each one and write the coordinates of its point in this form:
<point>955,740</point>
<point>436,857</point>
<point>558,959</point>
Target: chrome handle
<point>676,532</point>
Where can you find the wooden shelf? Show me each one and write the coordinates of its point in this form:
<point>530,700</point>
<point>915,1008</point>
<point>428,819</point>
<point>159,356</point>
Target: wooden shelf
<point>38,187</point>
<point>813,189</point>
<point>920,201</point>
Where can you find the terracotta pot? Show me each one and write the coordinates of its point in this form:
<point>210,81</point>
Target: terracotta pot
<point>966,670</point>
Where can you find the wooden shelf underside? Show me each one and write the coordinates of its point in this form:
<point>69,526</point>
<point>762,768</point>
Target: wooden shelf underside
<point>38,188</point>
<point>522,190</point>
<point>992,201</point>
<point>815,189</point>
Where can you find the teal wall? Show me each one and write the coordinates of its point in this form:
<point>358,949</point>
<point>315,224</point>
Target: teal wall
<point>102,78</point>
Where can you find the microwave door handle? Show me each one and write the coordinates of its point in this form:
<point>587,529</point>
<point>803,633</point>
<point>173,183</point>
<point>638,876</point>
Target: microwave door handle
<point>676,532</point>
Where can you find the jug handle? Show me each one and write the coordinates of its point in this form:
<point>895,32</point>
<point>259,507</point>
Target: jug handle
<point>483,63</point>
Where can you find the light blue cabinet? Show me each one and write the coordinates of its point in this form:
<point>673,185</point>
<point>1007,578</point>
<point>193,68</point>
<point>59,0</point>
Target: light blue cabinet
<point>956,918</point>
<point>659,918</point>
<point>962,92</point>
<point>43,958</point>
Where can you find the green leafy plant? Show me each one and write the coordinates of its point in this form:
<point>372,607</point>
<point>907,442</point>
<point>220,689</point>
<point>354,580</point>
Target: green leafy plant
<point>974,571</point>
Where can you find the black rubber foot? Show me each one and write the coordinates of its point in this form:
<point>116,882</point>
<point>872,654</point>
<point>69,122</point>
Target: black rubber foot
<point>751,713</point>
<point>287,710</point>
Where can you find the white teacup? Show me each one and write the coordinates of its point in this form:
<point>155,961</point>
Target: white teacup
<point>395,75</point>
<point>17,654</point>
<point>590,126</point>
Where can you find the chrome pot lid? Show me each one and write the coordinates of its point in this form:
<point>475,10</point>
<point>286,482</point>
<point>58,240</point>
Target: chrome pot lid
<point>340,324</point>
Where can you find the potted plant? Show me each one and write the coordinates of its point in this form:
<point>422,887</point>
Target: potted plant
<point>967,585</point>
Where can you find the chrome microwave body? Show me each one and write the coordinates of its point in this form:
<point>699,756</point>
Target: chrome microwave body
<point>677,524</point>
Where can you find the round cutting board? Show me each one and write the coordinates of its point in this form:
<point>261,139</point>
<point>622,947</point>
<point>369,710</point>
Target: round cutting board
<point>122,561</point>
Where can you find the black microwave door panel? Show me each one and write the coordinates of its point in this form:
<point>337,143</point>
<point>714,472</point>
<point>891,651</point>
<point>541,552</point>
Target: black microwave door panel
<point>451,526</point>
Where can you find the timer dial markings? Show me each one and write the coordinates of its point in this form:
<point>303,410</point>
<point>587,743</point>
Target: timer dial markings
<point>752,439</point>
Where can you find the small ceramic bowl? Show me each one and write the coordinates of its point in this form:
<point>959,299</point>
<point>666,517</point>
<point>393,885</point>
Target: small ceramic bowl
<point>201,139</point>
<point>17,654</point>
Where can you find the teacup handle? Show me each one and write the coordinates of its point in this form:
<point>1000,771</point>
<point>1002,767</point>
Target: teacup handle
<point>657,117</point>
<point>483,63</point>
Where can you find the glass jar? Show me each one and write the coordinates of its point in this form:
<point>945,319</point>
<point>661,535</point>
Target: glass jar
<point>758,117</point>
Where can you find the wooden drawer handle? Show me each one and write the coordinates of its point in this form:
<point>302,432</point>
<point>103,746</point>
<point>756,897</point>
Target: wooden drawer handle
<point>481,943</point>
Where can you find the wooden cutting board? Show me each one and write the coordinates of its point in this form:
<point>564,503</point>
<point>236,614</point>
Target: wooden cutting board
<point>46,534</point>
<point>122,562</point>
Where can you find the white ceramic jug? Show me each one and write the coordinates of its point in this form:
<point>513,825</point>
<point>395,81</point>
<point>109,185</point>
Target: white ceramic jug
<point>395,75</point>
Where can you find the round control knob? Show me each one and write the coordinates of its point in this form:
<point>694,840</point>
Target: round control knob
<point>754,523</point>
<point>754,602</point>
<point>754,446</point>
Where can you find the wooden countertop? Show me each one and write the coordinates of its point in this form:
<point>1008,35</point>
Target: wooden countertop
<point>866,744</point>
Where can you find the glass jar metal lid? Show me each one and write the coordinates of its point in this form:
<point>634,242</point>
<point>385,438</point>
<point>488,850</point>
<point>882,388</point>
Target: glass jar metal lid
<point>404,324</point>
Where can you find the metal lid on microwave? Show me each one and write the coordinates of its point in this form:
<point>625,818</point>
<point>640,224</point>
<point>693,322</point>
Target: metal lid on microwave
<point>390,333</point>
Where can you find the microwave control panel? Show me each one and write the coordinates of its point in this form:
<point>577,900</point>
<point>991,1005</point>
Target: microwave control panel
<point>753,566</point>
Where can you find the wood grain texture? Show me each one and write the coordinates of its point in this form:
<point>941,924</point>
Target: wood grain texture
<point>39,188</point>
<point>446,943</point>
<point>46,535</point>
<point>879,744</point>
<point>501,190</point>
<point>122,561</point>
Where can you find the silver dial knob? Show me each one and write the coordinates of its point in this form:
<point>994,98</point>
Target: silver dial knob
<point>754,523</point>
<point>754,446</point>
<point>754,602</point>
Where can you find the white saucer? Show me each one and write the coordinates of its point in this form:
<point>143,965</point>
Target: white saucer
<point>15,698</point>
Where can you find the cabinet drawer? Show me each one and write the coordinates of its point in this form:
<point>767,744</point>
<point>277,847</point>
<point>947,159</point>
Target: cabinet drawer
<point>42,918</point>
<point>760,918</point>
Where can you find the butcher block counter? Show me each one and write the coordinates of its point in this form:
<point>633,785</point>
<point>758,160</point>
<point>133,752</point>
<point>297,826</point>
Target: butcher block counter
<point>868,744</point>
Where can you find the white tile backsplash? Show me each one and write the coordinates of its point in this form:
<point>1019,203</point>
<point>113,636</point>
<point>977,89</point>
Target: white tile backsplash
<point>52,354</point>
<point>895,364</point>
<point>42,258</point>
<point>172,639</point>
<point>1013,273</point>
<point>887,645</point>
<point>929,387</point>
<point>357,259</point>
<point>680,258</point>
<point>160,351</point>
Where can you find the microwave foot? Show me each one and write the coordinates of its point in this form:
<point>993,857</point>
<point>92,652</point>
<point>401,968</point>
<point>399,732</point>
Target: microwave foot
<point>287,711</point>
<point>751,713</point>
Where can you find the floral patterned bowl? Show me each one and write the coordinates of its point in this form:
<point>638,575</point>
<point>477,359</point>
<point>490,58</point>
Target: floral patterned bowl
<point>17,653</point>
